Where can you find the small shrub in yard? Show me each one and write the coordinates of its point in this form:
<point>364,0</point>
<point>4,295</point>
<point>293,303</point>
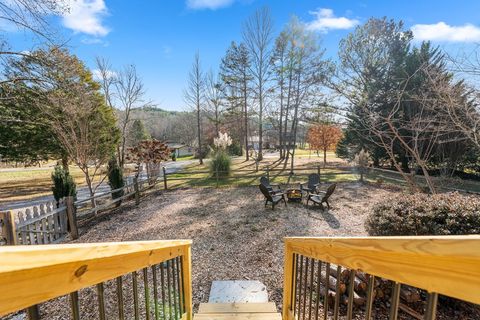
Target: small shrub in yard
<point>221,159</point>
<point>63,184</point>
<point>423,214</point>
<point>115,178</point>
<point>220,163</point>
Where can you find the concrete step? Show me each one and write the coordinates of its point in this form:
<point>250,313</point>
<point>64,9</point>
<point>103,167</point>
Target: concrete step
<point>268,307</point>
<point>237,316</point>
<point>238,291</point>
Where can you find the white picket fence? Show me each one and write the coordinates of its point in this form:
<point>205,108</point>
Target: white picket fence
<point>45,223</point>
<point>42,224</point>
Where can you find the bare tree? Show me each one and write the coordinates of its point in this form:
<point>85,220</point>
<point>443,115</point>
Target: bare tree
<point>258,36</point>
<point>213,95</point>
<point>31,16</point>
<point>195,97</point>
<point>130,94</point>
<point>460,100</point>
<point>107,78</point>
<point>300,71</point>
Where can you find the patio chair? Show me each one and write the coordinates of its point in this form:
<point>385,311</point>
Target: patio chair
<point>312,184</point>
<point>266,182</point>
<point>322,197</point>
<point>273,198</point>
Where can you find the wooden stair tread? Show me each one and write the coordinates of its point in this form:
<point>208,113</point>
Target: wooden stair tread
<point>268,307</point>
<point>238,316</point>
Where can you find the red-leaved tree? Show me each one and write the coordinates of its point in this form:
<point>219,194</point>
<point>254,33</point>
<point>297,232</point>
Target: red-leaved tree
<point>323,137</point>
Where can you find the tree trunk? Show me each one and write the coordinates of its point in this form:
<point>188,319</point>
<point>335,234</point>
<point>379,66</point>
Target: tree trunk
<point>199,134</point>
<point>324,157</point>
<point>247,156</point>
<point>65,163</point>
<point>260,123</point>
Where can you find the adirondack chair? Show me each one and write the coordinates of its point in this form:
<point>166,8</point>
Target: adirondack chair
<point>322,197</point>
<point>312,184</point>
<point>272,198</point>
<point>265,182</point>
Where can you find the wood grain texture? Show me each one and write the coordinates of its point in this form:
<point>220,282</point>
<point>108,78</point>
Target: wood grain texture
<point>289,284</point>
<point>33,274</point>
<point>187,278</point>
<point>448,265</point>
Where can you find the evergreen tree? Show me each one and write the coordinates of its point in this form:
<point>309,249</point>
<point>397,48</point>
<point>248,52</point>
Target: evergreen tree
<point>137,133</point>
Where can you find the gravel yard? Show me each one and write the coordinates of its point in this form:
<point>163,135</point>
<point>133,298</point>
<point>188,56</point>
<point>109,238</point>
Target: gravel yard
<point>234,236</point>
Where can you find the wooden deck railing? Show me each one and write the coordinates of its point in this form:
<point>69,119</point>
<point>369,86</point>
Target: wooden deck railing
<point>448,266</point>
<point>30,276</point>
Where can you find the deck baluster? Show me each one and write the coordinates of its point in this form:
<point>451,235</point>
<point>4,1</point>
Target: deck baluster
<point>370,288</point>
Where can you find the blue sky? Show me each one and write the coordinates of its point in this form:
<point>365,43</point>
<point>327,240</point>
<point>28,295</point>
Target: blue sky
<point>161,37</point>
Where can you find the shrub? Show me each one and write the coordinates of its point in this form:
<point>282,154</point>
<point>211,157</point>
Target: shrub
<point>220,163</point>
<point>63,184</point>
<point>422,214</point>
<point>235,149</point>
<point>115,178</point>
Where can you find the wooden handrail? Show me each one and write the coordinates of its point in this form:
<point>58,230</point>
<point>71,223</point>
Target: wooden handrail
<point>33,274</point>
<point>448,265</point>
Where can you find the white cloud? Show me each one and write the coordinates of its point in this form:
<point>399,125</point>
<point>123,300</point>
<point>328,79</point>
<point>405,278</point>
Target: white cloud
<point>85,16</point>
<point>443,32</point>
<point>91,41</point>
<point>98,76</point>
<point>326,20</point>
<point>208,4</point>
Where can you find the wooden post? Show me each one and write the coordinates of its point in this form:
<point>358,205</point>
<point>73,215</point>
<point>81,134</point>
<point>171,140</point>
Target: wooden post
<point>72,217</point>
<point>137,191</point>
<point>187,280</point>
<point>268,173</point>
<point>164,178</point>
<point>7,225</point>
<point>288,283</point>
<point>33,313</point>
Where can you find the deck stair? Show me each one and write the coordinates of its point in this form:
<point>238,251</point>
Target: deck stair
<point>238,300</point>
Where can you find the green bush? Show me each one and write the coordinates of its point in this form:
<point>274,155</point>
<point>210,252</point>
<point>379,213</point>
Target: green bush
<point>63,184</point>
<point>422,214</point>
<point>235,149</point>
<point>115,178</point>
<point>221,162</point>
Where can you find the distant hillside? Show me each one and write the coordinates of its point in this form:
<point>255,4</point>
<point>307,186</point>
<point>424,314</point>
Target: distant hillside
<point>155,111</point>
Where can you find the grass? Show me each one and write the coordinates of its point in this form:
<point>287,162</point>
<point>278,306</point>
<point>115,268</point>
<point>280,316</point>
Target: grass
<point>244,173</point>
<point>180,158</point>
<point>442,184</point>
<point>23,184</point>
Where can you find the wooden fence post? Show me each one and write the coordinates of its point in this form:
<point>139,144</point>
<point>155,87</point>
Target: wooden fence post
<point>7,225</point>
<point>72,217</point>
<point>165,178</point>
<point>137,191</point>
<point>187,279</point>
<point>33,313</point>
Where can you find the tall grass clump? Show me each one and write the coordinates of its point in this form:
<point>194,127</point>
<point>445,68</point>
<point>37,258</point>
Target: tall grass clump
<point>221,161</point>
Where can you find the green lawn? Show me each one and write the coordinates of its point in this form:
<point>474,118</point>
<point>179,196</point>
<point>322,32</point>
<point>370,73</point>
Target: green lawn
<point>26,183</point>
<point>244,173</point>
